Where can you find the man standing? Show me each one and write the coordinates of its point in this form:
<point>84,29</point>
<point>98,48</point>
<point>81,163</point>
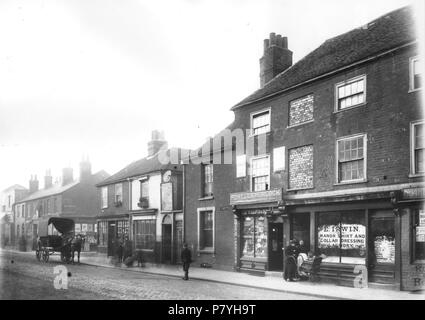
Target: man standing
<point>186,257</point>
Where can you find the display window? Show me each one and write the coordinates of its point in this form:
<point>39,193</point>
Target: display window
<point>254,237</point>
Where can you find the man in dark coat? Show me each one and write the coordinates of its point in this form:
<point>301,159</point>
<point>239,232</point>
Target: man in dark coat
<point>186,257</point>
<point>291,254</point>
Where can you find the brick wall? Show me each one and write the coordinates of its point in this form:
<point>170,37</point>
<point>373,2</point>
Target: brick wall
<point>301,167</point>
<point>301,110</point>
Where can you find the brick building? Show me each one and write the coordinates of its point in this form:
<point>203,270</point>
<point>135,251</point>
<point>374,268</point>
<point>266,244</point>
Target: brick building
<point>68,198</point>
<point>143,203</point>
<point>338,162</point>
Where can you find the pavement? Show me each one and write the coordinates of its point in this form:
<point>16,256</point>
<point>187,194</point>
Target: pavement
<point>316,289</point>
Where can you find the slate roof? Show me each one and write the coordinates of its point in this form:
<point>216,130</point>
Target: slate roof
<point>140,167</point>
<point>58,188</point>
<point>389,31</point>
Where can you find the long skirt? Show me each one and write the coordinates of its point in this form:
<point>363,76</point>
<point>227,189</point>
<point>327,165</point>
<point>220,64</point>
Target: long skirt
<point>290,268</point>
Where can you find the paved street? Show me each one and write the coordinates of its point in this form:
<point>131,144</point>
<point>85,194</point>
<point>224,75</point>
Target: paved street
<point>23,277</point>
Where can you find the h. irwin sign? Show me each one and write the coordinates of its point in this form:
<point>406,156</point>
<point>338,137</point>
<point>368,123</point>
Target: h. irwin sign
<point>256,197</point>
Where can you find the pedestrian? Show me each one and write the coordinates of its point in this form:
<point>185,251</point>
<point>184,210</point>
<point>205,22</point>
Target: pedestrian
<point>120,250</point>
<point>291,254</point>
<point>186,257</point>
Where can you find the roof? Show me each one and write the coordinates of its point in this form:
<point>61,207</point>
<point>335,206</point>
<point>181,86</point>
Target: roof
<point>387,32</point>
<point>140,167</point>
<point>15,187</point>
<point>58,188</point>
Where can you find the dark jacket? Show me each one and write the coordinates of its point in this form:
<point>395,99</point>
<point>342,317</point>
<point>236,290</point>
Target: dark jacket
<point>291,251</point>
<point>186,255</point>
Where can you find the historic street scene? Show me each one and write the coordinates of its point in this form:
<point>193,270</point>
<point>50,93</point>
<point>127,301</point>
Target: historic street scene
<point>238,151</point>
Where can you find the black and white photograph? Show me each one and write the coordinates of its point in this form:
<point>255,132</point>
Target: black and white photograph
<point>223,152</point>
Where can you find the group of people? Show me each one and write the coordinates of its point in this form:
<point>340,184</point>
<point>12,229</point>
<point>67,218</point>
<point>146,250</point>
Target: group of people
<point>296,253</point>
<point>123,249</point>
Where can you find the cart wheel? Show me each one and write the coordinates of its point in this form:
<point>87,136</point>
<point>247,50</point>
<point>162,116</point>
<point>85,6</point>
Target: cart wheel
<point>38,254</point>
<point>45,256</point>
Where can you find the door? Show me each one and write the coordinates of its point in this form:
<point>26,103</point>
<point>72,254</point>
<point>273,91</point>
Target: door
<point>166,243</point>
<point>111,238</point>
<point>382,244</point>
<point>179,241</point>
<point>276,246</point>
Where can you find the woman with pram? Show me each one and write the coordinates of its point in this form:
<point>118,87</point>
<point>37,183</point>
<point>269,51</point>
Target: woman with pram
<point>291,255</point>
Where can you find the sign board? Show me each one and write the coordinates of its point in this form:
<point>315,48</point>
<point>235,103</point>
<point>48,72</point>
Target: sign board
<point>84,227</point>
<point>167,196</point>
<point>256,197</point>
<point>352,236</point>
<point>422,218</point>
<point>413,193</point>
<point>77,228</point>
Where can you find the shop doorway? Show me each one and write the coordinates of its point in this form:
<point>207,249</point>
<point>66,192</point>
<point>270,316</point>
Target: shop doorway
<point>179,241</point>
<point>382,244</point>
<point>166,239</point>
<point>276,246</point>
<point>111,238</point>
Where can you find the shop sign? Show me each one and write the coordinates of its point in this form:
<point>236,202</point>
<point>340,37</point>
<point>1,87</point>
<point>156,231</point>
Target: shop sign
<point>77,228</point>
<point>84,227</point>
<point>422,218</point>
<point>353,236</point>
<point>420,234</point>
<point>413,193</point>
<point>256,197</point>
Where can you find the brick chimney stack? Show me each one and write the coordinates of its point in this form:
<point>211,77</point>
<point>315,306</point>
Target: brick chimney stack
<point>157,143</point>
<point>67,176</point>
<point>276,58</point>
<point>85,169</point>
<point>33,184</point>
<point>48,179</point>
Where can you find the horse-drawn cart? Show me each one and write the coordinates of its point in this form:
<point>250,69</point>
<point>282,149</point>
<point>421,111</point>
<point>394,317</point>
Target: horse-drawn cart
<point>48,245</point>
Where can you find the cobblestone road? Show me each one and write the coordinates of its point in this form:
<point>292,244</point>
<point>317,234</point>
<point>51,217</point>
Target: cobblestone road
<point>22,277</point>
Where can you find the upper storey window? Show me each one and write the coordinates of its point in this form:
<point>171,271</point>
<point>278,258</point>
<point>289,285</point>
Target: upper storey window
<point>351,93</point>
<point>260,122</point>
<point>415,74</point>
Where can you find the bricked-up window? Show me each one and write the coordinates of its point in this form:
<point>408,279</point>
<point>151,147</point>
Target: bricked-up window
<point>279,159</point>
<point>260,173</point>
<point>351,93</point>
<point>207,180</point>
<point>260,122</point>
<point>118,192</point>
<point>301,110</point>
<point>206,230</point>
<point>301,167</point>
<point>144,234</point>
<point>254,237</point>
<point>417,144</point>
<point>418,234</point>
<point>241,166</point>
<point>104,191</point>
<point>351,158</point>
<point>102,233</point>
<point>415,74</point>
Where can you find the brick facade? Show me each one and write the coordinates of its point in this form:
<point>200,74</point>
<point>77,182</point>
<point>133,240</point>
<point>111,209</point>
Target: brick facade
<point>301,167</point>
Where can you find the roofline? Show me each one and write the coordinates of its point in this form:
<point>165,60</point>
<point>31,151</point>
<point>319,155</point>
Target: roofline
<point>376,56</point>
<point>52,194</point>
<point>102,184</point>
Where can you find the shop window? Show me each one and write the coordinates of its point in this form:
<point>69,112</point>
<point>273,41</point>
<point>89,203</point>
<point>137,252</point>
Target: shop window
<point>300,226</point>
<point>342,237</point>
<point>122,229</point>
<point>102,233</point>
<point>207,180</point>
<point>381,240</point>
<point>104,197</point>
<point>351,93</point>
<point>260,172</point>
<point>417,135</point>
<point>260,122</point>
<point>415,74</point>
<point>254,237</point>
<point>351,159</point>
<point>206,230</point>
<point>418,234</point>
<point>144,234</point>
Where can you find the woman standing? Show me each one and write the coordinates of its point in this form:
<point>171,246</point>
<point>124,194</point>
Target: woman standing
<point>291,254</point>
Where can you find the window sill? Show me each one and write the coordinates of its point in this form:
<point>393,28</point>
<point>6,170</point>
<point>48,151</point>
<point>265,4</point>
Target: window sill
<point>416,175</point>
<point>252,135</point>
<point>352,107</point>
<point>414,90</point>
<point>206,198</point>
<point>205,250</point>
<point>350,182</point>
<point>299,189</point>
<point>299,124</point>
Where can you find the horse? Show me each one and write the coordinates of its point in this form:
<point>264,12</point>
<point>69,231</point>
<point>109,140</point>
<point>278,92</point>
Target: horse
<point>76,245</point>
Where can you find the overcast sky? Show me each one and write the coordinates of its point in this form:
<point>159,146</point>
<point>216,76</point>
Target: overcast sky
<point>96,76</point>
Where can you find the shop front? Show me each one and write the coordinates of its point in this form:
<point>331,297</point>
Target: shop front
<point>110,230</point>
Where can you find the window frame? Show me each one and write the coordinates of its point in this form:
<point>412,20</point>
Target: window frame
<point>118,186</point>
<point>411,75</point>
<point>104,194</point>
<point>362,180</point>
<point>251,176</point>
<point>200,211</point>
<point>413,172</point>
<point>347,82</point>
<point>253,114</point>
